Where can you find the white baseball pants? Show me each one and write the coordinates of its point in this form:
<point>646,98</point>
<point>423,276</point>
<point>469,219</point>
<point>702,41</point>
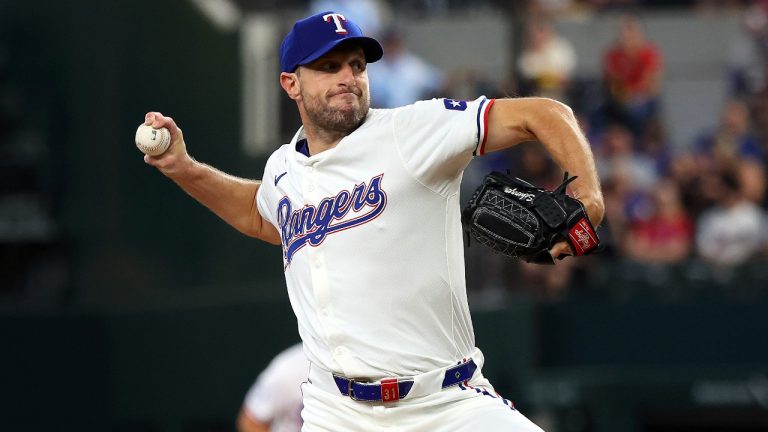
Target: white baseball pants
<point>462,408</point>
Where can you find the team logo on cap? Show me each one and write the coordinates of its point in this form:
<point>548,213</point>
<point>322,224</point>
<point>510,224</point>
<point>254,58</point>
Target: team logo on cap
<point>337,20</point>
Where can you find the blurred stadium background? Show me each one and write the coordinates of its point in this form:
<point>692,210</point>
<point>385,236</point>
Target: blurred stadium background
<point>125,306</point>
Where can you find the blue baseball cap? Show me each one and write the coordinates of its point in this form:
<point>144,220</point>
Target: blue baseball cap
<point>314,36</point>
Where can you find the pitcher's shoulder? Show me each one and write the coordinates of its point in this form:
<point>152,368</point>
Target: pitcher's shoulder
<point>278,159</point>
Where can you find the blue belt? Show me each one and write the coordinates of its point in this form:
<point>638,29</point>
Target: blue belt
<point>389,390</point>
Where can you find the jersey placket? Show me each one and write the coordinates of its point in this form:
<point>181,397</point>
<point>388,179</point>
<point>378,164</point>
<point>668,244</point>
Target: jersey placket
<point>318,271</point>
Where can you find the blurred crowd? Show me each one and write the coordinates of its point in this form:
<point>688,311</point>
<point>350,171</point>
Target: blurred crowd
<point>677,213</point>
<point>377,12</point>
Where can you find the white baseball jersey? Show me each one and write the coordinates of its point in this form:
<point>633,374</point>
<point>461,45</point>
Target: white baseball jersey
<point>275,397</point>
<point>372,239</point>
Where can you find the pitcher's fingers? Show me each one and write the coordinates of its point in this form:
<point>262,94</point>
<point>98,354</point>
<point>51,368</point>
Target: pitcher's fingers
<point>156,120</point>
<point>167,122</point>
<point>149,118</point>
<point>560,250</point>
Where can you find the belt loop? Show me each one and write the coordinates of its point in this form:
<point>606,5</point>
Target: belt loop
<point>461,372</point>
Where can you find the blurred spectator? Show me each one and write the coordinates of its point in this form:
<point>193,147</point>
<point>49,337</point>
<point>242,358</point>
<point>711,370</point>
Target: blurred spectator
<point>629,178</point>
<point>755,22</point>
<point>632,70</point>
<point>274,402</point>
<point>616,193</point>
<point>729,141</point>
<point>732,145</point>
<point>748,54</point>
<point>371,15</point>
<point>546,63</point>
<point>616,157</point>
<point>401,77</point>
<point>760,113</point>
<point>752,179</point>
<point>654,143</point>
<point>733,230</point>
<point>666,236</point>
<point>692,183</point>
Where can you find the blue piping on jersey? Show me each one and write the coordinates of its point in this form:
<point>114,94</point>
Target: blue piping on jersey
<point>479,111</point>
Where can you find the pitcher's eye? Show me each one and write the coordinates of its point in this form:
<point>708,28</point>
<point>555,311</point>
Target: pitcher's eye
<point>358,66</point>
<point>329,66</point>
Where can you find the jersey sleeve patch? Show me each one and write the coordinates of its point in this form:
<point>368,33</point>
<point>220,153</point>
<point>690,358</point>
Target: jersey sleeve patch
<point>455,105</point>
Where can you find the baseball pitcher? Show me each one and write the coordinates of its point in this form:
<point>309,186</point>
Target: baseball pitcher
<point>365,205</point>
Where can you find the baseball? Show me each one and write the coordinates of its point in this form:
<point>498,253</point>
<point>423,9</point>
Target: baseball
<point>153,142</point>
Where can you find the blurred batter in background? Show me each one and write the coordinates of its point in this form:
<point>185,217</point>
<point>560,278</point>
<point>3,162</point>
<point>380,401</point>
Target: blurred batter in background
<point>273,403</point>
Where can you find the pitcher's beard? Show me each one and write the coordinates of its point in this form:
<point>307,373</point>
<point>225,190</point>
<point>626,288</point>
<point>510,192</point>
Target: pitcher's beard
<point>343,121</point>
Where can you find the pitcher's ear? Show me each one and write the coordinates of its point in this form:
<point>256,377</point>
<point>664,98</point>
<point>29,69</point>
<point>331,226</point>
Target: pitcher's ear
<point>291,84</point>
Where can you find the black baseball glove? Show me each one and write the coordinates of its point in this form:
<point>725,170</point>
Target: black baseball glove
<point>518,219</point>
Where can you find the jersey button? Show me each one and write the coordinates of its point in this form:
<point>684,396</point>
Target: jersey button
<point>311,188</point>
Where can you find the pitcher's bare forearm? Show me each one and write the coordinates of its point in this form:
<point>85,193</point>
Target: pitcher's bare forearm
<point>231,198</point>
